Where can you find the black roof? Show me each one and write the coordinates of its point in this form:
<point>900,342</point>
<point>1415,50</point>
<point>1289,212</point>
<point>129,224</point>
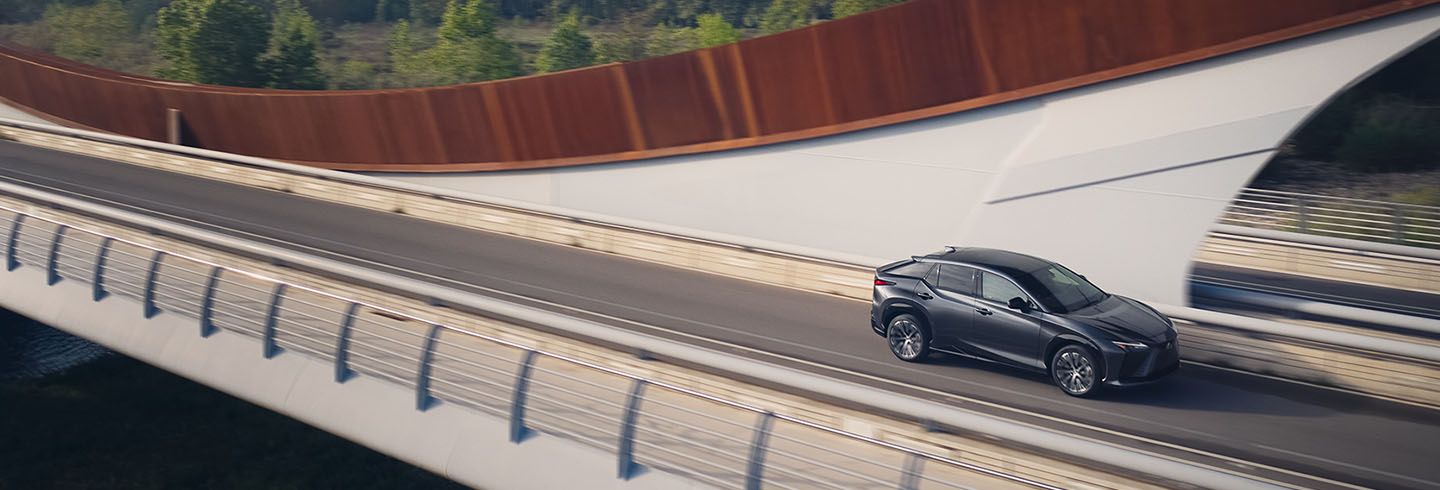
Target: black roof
<point>1003,260</point>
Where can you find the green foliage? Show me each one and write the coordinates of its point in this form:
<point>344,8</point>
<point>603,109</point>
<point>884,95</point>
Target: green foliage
<point>665,39</point>
<point>846,8</point>
<point>466,20</point>
<point>400,46</point>
<point>213,41</point>
<point>568,48</point>
<point>293,59</point>
<point>1392,134</point>
<point>467,49</point>
<point>713,30</point>
<point>1423,196</point>
<point>352,75</point>
<point>88,34</point>
<point>784,15</point>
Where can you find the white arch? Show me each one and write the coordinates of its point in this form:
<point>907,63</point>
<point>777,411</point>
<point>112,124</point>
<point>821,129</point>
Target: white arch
<point>1120,180</point>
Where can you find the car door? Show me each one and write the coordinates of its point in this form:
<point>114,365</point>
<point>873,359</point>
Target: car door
<point>947,293</point>
<point>1004,333</point>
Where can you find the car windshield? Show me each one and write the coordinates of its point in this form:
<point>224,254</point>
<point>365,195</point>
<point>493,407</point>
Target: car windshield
<point>1061,290</point>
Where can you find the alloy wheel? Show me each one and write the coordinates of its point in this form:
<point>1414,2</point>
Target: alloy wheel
<point>906,340</point>
<point>1074,372</point>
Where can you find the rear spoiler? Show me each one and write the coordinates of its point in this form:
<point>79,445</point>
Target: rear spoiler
<point>946,250</point>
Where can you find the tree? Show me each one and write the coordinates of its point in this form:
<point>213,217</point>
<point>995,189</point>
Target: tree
<point>212,41</point>
<point>713,30</point>
<point>467,49</point>
<point>846,8</point>
<point>293,60</point>
<point>88,34</point>
<point>465,21</point>
<point>784,15</point>
<point>567,48</point>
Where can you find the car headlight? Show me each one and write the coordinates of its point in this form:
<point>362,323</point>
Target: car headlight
<point>1130,346</point>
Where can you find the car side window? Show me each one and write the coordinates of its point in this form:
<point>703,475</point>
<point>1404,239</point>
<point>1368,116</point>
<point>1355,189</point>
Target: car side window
<point>999,289</point>
<point>957,279</point>
<point>933,278</point>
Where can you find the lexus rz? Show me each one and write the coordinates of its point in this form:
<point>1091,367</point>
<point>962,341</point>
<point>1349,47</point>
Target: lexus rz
<point>1021,311</point>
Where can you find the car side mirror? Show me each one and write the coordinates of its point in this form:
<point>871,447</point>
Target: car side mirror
<point>1018,303</point>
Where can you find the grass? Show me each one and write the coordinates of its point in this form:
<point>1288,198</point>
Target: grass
<point>118,423</point>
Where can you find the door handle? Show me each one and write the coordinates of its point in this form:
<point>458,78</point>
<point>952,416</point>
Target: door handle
<point>984,311</point>
<point>924,295</point>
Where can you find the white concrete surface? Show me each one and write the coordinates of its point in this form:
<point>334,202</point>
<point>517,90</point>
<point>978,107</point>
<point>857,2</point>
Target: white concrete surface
<point>1120,180</point>
<point>10,112</point>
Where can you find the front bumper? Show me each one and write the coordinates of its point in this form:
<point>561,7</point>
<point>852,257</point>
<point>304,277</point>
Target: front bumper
<point>1124,369</point>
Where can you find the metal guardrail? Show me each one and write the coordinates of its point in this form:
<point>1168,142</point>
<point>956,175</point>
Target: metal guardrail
<point>1379,221</point>
<point>429,356</point>
<point>534,388</point>
<point>675,429</point>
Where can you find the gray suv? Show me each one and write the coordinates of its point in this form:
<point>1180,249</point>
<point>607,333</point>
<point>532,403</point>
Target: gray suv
<point>1021,311</point>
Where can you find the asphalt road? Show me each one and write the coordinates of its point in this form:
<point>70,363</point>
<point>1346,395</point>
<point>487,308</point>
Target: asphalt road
<point>1290,432</point>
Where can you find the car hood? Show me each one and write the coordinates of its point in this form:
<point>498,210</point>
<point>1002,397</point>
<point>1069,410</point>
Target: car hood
<point>1125,317</point>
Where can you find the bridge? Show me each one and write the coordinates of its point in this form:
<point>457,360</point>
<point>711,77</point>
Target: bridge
<point>691,319</point>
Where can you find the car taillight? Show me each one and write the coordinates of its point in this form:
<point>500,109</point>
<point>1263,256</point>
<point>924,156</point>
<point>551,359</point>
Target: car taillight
<point>882,282</point>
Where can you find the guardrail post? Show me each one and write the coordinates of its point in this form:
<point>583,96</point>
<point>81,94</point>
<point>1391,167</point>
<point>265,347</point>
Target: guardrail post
<point>342,346</point>
<point>1398,229</point>
<point>207,303</point>
<point>52,270</point>
<point>1303,210</point>
<point>755,464</point>
<point>423,400</point>
<point>97,280</point>
<point>11,261</point>
<point>272,316</point>
<point>910,478</point>
<point>626,449</point>
<point>150,278</point>
<point>518,432</point>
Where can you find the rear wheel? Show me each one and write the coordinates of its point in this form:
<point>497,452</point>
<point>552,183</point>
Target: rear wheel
<point>1074,370</point>
<point>908,339</point>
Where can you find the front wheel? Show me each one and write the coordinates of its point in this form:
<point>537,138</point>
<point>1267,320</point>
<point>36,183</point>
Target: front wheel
<point>1073,369</point>
<point>908,340</point>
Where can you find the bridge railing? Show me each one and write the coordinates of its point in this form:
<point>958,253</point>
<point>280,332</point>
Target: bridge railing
<point>645,421</point>
<point>1360,219</point>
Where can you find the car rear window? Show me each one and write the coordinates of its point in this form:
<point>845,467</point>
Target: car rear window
<point>912,269</point>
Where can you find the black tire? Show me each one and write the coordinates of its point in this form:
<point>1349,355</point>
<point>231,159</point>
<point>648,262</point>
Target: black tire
<point>908,338</point>
<point>1075,370</point>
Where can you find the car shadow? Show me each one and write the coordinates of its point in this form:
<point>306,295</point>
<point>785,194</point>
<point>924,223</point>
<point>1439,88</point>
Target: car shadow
<point>1192,389</point>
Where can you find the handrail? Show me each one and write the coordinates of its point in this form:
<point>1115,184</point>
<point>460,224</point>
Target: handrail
<point>1333,244</point>
<point>801,381</point>
<point>1314,214</point>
